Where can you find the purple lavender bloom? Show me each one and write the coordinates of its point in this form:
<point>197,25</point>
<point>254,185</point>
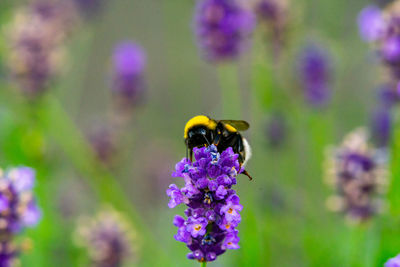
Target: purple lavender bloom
<point>381,126</point>
<point>129,64</point>
<point>107,237</point>
<point>315,75</point>
<point>274,15</point>
<point>390,50</point>
<point>18,209</point>
<point>371,23</point>
<point>276,130</point>
<point>222,28</point>
<point>103,141</point>
<point>213,206</point>
<point>393,262</point>
<point>383,29</point>
<point>388,95</point>
<point>357,172</point>
<point>269,9</point>
<point>16,189</point>
<point>35,38</point>
<point>89,7</point>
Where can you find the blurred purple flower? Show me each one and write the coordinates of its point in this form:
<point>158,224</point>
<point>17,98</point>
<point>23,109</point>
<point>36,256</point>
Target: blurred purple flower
<point>384,30</point>
<point>315,74</point>
<point>393,262</point>
<point>213,206</point>
<point>381,126</point>
<point>391,50</point>
<point>357,171</point>
<point>222,28</point>
<point>107,237</point>
<point>274,15</point>
<point>103,142</point>
<point>129,64</point>
<point>89,7</point>
<point>388,95</point>
<point>371,23</point>
<point>276,130</point>
<point>35,39</point>
<point>18,209</point>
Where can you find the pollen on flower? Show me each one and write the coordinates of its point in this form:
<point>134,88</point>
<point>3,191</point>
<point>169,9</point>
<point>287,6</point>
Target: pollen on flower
<point>208,227</point>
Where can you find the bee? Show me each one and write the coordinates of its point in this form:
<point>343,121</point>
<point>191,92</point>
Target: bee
<point>203,131</point>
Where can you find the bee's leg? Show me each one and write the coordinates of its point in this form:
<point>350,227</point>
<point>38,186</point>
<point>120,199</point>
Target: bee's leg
<point>247,174</point>
<point>191,155</point>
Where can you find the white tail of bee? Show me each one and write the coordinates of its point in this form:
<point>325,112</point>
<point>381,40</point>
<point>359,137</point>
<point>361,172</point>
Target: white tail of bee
<point>247,152</point>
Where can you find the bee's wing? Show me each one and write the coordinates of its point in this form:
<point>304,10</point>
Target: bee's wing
<point>239,125</point>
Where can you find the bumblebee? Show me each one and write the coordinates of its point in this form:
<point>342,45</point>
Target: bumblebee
<point>203,131</point>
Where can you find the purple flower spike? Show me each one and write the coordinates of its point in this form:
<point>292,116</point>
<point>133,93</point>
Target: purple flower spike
<point>381,126</point>
<point>107,237</point>
<point>36,41</point>
<point>315,75</point>
<point>23,177</point>
<point>18,209</point>
<point>222,28</point>
<point>358,174</point>
<point>129,64</point>
<point>393,262</point>
<point>213,206</point>
<point>371,23</point>
<point>382,28</point>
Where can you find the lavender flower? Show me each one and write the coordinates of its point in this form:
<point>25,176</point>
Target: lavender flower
<point>222,28</point>
<point>103,141</point>
<point>129,63</point>
<point>315,74</point>
<point>18,209</point>
<point>381,126</point>
<point>276,130</point>
<point>107,237</point>
<point>358,173</point>
<point>388,95</point>
<point>393,262</point>
<point>35,40</point>
<point>213,210</point>
<point>382,28</point>
<point>371,23</point>
<point>274,15</point>
<point>88,7</point>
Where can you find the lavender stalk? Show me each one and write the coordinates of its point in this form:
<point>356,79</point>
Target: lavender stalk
<point>213,211</point>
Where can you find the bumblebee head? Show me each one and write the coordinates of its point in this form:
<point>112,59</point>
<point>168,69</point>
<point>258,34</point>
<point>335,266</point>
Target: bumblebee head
<point>199,131</point>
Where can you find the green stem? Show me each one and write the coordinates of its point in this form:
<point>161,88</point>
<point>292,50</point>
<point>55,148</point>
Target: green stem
<point>230,92</point>
<point>203,264</point>
<point>394,189</point>
<point>60,127</point>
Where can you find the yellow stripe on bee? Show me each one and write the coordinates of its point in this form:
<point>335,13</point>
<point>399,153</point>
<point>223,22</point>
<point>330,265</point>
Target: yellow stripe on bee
<point>230,128</point>
<point>199,120</point>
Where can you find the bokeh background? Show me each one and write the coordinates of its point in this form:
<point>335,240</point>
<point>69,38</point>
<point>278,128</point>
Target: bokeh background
<point>285,221</point>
